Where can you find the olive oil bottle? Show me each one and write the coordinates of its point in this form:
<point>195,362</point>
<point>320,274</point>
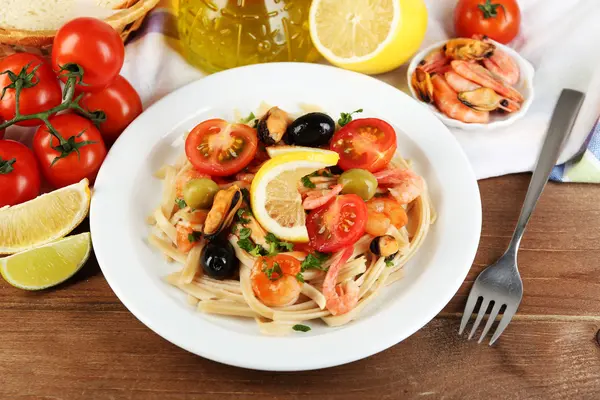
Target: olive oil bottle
<point>222,34</point>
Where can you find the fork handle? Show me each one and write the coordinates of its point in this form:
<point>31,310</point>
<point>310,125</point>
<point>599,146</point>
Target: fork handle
<point>563,119</point>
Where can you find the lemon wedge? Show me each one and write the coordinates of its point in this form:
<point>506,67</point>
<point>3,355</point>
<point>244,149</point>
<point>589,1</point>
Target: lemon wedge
<point>368,36</point>
<point>275,151</point>
<point>44,219</point>
<point>47,266</point>
<point>276,202</point>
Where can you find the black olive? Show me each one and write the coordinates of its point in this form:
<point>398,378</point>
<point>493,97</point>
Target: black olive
<point>312,130</point>
<point>218,259</point>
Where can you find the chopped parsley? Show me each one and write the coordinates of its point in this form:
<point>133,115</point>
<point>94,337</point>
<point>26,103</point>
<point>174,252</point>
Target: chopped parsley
<point>194,236</point>
<point>300,277</point>
<point>275,269</point>
<point>249,118</point>
<point>326,173</point>
<point>246,244</point>
<point>241,212</point>
<point>246,196</point>
<point>314,261</point>
<point>180,203</point>
<point>244,233</point>
<point>389,263</point>
<point>345,118</point>
<point>307,182</point>
<point>301,328</point>
<point>276,245</point>
<point>256,251</point>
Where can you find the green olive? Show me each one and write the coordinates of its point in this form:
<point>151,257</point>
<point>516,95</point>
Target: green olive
<point>360,182</point>
<point>199,193</point>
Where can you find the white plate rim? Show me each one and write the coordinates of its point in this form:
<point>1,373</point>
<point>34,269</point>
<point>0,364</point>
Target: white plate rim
<point>297,357</point>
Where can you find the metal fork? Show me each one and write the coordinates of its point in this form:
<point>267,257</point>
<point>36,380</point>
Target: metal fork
<point>500,285</point>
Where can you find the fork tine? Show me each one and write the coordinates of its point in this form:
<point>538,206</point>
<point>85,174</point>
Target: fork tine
<point>491,319</point>
<point>471,302</point>
<point>506,318</point>
<point>482,309</point>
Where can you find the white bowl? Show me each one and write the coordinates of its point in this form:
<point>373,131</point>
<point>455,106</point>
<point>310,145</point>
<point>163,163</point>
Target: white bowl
<point>524,86</point>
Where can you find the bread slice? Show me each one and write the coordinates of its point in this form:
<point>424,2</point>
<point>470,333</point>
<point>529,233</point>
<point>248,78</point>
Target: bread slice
<point>35,15</point>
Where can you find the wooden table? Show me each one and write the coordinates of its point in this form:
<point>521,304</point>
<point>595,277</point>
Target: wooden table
<point>79,342</point>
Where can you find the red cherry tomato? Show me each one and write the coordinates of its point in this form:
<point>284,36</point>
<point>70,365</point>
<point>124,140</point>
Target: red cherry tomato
<point>218,148</point>
<point>44,95</point>
<point>498,19</point>
<point>92,44</point>
<point>366,143</point>
<point>73,167</point>
<point>19,174</point>
<point>338,224</point>
<point>121,104</point>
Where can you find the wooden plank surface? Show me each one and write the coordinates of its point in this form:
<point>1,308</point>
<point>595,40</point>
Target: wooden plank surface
<point>79,342</point>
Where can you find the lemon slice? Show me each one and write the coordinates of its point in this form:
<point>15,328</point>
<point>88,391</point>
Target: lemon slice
<point>275,151</point>
<point>368,36</point>
<point>43,219</point>
<point>276,202</point>
<point>49,265</point>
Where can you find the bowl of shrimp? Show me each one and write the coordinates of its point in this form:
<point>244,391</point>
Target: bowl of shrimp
<point>472,83</point>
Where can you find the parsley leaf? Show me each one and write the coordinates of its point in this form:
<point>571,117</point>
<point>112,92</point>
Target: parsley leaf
<point>301,328</point>
<point>240,214</point>
<point>245,233</point>
<point>275,245</point>
<point>249,118</point>
<point>307,183</point>
<point>326,173</point>
<point>389,263</point>
<point>256,251</point>
<point>300,277</point>
<point>275,269</point>
<point>194,236</point>
<point>246,244</point>
<point>271,238</point>
<point>314,261</point>
<point>345,118</point>
<point>287,246</point>
<point>180,203</point>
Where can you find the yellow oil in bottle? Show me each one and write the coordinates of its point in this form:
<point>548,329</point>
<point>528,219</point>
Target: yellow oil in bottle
<point>222,34</point>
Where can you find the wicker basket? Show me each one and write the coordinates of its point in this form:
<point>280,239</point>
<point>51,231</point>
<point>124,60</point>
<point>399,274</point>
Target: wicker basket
<point>125,21</point>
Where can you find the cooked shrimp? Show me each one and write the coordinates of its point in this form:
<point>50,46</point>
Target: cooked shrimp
<point>446,101</point>
<point>317,198</point>
<point>340,298</point>
<point>274,280</point>
<point>480,75</point>
<point>503,65</point>
<point>184,178</point>
<point>184,234</point>
<point>458,83</point>
<point>382,212</point>
<point>406,185</point>
<point>434,62</point>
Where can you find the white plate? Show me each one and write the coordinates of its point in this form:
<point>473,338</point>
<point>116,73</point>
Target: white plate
<point>524,86</point>
<point>125,193</point>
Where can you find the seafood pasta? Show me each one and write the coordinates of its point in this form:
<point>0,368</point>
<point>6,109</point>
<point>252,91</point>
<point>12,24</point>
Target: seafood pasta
<point>288,220</point>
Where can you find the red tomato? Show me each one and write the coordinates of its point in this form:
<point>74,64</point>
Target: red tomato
<point>366,143</point>
<point>498,19</point>
<point>218,148</point>
<point>121,104</point>
<point>43,96</point>
<point>73,167</point>
<point>19,173</point>
<point>92,44</point>
<point>337,224</point>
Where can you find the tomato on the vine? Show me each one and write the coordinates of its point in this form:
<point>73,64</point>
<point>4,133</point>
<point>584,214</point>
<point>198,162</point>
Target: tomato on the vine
<point>80,156</point>
<point>497,19</point>
<point>218,148</point>
<point>92,44</point>
<point>365,143</point>
<point>19,173</point>
<point>337,224</point>
<point>121,105</point>
<point>43,94</point>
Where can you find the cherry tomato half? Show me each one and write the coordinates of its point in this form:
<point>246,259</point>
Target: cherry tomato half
<point>43,96</point>
<point>498,19</point>
<point>366,143</point>
<point>92,44</point>
<point>73,167</point>
<point>121,104</point>
<point>218,148</point>
<point>338,224</point>
<point>19,173</point>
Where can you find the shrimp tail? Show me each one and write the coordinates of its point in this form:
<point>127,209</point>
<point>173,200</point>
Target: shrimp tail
<point>341,298</point>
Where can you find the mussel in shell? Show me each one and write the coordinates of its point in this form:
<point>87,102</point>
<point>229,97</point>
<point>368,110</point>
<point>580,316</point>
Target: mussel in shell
<point>486,99</point>
<point>384,246</point>
<point>468,49</point>
<point>272,126</point>
<point>226,203</point>
<point>421,83</point>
